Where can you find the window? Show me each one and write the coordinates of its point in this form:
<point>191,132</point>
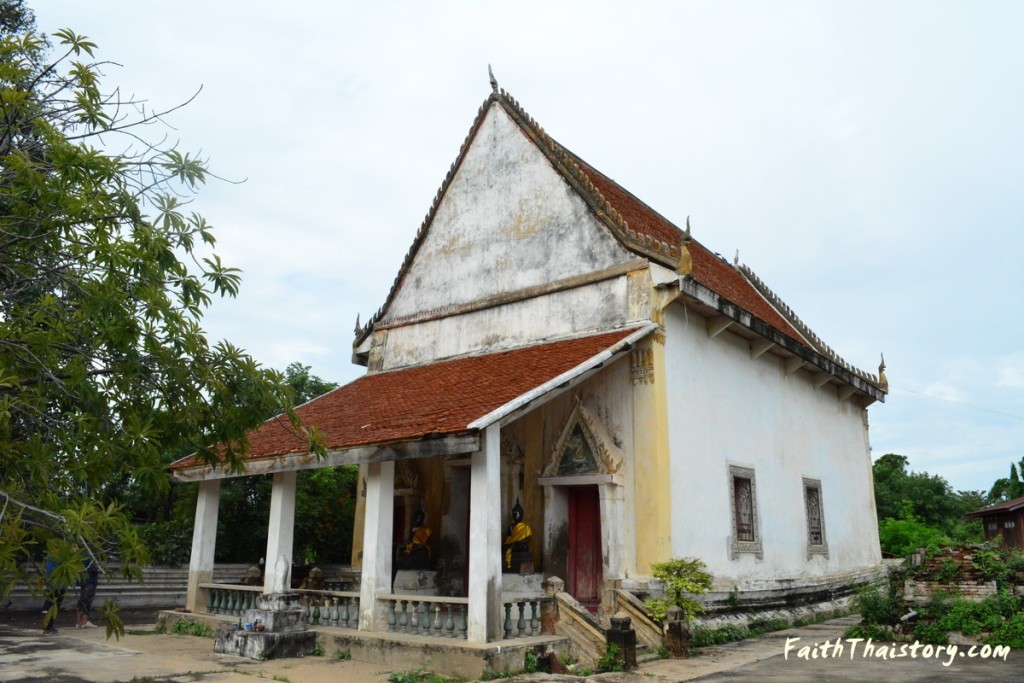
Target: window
<point>815,513</point>
<point>992,526</point>
<point>1009,525</point>
<point>746,536</point>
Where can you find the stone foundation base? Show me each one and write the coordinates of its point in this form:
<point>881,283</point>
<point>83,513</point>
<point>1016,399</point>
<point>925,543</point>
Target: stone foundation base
<point>263,645</point>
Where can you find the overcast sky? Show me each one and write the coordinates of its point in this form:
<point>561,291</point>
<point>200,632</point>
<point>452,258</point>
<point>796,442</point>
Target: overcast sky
<point>866,159</point>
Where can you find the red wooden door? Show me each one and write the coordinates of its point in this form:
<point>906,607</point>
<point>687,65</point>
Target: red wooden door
<point>586,557</point>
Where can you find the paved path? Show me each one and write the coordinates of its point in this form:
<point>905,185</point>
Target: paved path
<point>86,656</point>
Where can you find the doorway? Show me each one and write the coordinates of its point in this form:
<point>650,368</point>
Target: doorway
<point>586,556</point>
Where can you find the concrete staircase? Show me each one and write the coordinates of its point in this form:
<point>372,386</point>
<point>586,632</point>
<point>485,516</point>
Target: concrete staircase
<point>161,587</point>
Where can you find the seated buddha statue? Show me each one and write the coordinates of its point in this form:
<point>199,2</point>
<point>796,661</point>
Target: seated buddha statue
<point>517,544</point>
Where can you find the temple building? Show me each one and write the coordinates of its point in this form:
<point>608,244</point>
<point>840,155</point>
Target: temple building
<point>553,345</point>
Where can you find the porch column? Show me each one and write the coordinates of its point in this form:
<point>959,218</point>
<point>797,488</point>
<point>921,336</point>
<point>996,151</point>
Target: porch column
<point>204,541</point>
<point>484,619</point>
<point>278,573</point>
<point>612,513</point>
<point>378,527</point>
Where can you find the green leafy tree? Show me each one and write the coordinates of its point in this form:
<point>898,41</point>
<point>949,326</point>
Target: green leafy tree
<point>305,385</point>
<point>104,277</point>
<point>683,579</point>
<point>324,501</point>
<point>922,500</point>
<point>1010,487</point>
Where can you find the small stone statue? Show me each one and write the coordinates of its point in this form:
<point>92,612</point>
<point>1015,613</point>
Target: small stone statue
<point>416,554</point>
<point>517,544</point>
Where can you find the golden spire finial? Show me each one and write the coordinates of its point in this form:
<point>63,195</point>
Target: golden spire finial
<point>883,381</point>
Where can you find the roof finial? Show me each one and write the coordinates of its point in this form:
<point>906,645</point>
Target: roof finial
<point>358,329</point>
<point>883,381</point>
<point>686,234</point>
<point>494,81</point>
<point>736,258</point>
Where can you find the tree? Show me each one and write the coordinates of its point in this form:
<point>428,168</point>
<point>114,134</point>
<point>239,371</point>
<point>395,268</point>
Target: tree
<point>914,507</point>
<point>1010,487</point>
<point>15,18</point>
<point>304,385</point>
<point>324,500</point>
<point>104,277</point>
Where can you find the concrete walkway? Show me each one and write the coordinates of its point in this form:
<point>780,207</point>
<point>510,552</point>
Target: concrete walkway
<point>86,656</point>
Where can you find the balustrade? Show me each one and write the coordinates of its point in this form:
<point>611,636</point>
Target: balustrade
<point>229,599</point>
<point>427,616</point>
<point>330,608</point>
<point>522,618</point>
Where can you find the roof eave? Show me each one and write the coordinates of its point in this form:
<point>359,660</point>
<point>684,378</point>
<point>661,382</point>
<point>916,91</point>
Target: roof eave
<point>430,445</point>
<point>735,314</point>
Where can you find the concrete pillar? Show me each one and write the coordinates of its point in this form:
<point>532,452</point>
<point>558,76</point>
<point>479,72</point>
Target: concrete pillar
<point>652,474</point>
<point>613,511</point>
<point>484,619</point>
<point>280,533</point>
<point>378,526</point>
<point>204,541</point>
<point>357,521</point>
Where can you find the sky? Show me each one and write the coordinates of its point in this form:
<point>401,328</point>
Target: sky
<point>866,160</point>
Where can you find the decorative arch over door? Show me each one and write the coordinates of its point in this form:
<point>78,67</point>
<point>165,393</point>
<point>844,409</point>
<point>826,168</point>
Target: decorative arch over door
<point>583,490</point>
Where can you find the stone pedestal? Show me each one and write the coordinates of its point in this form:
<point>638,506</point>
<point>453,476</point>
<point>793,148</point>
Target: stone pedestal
<point>283,634</point>
<point>622,634</point>
<point>415,582</point>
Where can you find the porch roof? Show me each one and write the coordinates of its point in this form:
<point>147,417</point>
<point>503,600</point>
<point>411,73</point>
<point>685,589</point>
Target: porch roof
<point>427,410</point>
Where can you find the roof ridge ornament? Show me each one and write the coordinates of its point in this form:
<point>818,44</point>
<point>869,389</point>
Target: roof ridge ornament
<point>883,381</point>
<point>494,81</point>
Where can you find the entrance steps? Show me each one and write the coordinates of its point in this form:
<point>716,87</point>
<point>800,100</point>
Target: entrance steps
<point>160,587</point>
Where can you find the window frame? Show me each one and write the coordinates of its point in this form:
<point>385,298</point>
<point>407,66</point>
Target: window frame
<point>736,546</point>
<point>821,548</point>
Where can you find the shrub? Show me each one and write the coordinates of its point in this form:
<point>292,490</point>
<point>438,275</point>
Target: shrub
<point>904,536</point>
<point>703,637</point>
<point>878,604</point>
<point>931,632</point>
<point>184,627</point>
<point>1009,632</point>
<point>682,579</point>
<point>612,659</point>
<point>873,631</point>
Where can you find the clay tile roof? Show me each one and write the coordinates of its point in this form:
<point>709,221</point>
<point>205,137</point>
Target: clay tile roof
<point>1006,506</point>
<point>708,269</point>
<point>441,398</point>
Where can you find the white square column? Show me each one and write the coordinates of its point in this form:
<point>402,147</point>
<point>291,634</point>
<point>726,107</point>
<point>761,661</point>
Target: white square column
<point>280,534</point>
<point>378,528</point>
<point>204,541</point>
<point>484,618</point>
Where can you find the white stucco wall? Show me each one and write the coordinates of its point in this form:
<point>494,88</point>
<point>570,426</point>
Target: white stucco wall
<point>725,408</point>
<point>507,222</point>
<point>597,306</point>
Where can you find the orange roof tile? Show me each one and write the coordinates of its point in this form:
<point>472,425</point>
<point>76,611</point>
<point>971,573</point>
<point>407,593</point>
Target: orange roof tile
<point>441,398</point>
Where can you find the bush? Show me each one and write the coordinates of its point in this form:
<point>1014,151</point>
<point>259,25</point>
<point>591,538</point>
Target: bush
<point>682,578</point>
<point>1009,632</point>
<point>904,536</point>
<point>931,632</point>
<point>184,627</point>
<point>612,659</point>
<point>873,631</point>
<point>878,604</point>
<point>703,637</point>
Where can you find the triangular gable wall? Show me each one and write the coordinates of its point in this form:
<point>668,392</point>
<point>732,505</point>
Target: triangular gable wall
<point>506,222</point>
